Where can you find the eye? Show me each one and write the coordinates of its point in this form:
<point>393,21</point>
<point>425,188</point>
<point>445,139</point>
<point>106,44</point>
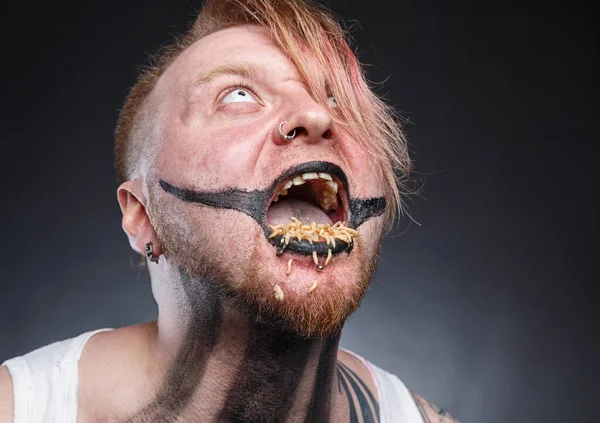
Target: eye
<point>239,95</point>
<point>331,101</point>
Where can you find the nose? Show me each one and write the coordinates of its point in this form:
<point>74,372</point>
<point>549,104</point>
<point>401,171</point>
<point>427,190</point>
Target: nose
<point>310,123</point>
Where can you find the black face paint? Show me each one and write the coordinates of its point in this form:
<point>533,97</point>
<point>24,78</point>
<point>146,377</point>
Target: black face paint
<point>188,367</point>
<point>254,204</point>
<point>265,386</point>
<point>362,209</point>
<point>319,409</point>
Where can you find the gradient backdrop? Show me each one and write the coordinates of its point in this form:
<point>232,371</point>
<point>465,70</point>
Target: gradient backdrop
<point>485,307</point>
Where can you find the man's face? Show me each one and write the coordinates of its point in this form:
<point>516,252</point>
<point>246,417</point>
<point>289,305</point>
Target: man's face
<point>219,131</point>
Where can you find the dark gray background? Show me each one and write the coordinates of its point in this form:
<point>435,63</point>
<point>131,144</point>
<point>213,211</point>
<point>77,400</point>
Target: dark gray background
<point>486,307</point>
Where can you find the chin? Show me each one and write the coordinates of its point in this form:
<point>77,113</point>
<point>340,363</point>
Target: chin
<point>305,301</point>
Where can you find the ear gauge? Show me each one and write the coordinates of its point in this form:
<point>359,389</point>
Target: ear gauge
<point>150,253</point>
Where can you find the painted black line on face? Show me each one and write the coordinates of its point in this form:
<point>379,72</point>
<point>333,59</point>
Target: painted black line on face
<point>363,209</point>
<point>187,369</point>
<point>368,405</point>
<point>254,204</point>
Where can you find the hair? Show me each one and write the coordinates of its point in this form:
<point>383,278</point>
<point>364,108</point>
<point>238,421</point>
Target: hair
<point>316,43</point>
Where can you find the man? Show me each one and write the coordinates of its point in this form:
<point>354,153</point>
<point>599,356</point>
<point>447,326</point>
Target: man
<point>258,176</point>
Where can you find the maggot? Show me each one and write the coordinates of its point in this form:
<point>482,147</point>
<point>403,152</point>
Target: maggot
<point>278,292</point>
<point>329,255</point>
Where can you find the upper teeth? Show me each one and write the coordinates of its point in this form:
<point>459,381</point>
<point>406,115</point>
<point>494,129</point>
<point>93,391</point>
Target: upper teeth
<point>298,180</point>
<point>329,199</point>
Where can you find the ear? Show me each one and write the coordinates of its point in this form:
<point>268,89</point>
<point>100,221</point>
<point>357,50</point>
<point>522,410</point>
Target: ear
<point>136,222</point>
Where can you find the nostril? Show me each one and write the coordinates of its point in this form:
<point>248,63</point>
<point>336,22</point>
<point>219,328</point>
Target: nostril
<point>327,134</point>
<point>301,130</point>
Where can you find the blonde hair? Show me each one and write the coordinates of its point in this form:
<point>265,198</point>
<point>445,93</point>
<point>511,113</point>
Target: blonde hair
<point>316,43</point>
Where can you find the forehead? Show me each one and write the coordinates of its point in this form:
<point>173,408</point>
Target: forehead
<point>248,44</point>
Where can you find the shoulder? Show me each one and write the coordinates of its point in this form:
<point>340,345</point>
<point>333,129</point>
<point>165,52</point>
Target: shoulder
<point>430,412</point>
<point>112,372</point>
<point>6,396</point>
<point>33,376</point>
<point>357,369</point>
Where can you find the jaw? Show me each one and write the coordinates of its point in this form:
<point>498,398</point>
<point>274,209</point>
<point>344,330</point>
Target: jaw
<point>229,247</point>
<point>306,300</point>
<point>219,242</point>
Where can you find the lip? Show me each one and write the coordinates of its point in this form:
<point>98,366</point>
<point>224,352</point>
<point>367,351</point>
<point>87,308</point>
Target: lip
<point>255,203</point>
<point>304,247</point>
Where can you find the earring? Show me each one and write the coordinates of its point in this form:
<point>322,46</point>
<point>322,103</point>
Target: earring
<point>150,253</point>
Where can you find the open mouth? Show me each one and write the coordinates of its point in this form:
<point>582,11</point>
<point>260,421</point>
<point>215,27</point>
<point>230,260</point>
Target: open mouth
<point>308,210</point>
<point>304,211</point>
<point>310,197</point>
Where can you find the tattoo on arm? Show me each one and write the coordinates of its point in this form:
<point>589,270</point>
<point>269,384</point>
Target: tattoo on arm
<point>363,405</point>
<point>430,412</point>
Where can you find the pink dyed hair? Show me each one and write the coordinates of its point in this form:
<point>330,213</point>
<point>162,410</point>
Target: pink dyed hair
<point>316,43</point>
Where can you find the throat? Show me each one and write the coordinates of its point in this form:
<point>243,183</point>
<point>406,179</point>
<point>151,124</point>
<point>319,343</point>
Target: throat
<point>283,378</point>
<point>227,367</point>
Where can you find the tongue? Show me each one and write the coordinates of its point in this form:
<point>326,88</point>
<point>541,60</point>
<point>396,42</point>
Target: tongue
<point>281,212</point>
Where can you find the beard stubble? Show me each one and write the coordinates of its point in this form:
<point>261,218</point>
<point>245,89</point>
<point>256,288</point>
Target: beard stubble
<point>322,313</point>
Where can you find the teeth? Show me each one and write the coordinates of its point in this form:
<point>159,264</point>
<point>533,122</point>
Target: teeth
<point>329,199</point>
<point>332,185</point>
<point>307,176</point>
<point>298,180</point>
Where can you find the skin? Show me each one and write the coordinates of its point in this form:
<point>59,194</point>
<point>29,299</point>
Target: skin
<point>430,412</point>
<point>223,348</point>
<point>6,396</point>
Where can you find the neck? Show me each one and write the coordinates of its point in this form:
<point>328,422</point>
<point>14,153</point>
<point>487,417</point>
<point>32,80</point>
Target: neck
<point>226,367</point>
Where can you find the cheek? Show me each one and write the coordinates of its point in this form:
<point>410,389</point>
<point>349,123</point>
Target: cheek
<point>202,238</point>
<point>226,233</point>
<point>373,230</point>
<point>210,158</point>
<point>365,181</point>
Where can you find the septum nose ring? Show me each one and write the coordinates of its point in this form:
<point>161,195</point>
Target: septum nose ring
<point>285,136</point>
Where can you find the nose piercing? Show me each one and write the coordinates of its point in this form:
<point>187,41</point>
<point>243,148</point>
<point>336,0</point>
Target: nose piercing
<point>284,136</point>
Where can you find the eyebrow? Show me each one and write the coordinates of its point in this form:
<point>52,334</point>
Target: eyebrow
<point>245,70</point>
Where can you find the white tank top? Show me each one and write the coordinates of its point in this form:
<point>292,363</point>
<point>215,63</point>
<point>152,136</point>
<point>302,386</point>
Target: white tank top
<point>46,381</point>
